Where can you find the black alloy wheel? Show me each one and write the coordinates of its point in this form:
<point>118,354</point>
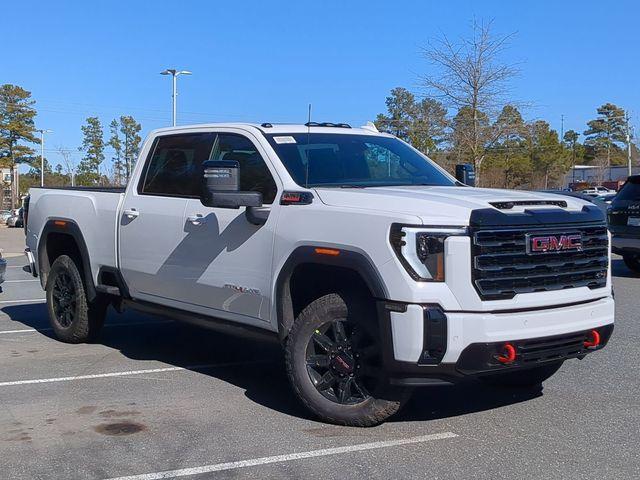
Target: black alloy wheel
<point>64,299</point>
<point>336,365</point>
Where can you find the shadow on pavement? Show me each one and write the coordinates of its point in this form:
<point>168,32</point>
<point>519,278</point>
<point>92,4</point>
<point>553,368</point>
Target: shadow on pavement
<point>259,368</point>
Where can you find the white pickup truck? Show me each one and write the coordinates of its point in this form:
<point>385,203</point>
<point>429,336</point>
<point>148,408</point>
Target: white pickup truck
<point>376,269</point>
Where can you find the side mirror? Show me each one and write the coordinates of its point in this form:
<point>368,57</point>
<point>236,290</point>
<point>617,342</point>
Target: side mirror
<point>221,186</point>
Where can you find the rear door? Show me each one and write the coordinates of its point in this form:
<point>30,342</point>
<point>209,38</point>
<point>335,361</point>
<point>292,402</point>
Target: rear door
<point>151,222</point>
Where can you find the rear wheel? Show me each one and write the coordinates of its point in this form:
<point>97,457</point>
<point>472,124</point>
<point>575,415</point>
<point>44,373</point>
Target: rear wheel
<point>632,262</point>
<point>529,377</point>
<point>334,363</point>
<point>73,318</point>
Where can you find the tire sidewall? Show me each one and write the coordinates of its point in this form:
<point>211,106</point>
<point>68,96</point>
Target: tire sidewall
<point>371,411</point>
<point>78,331</point>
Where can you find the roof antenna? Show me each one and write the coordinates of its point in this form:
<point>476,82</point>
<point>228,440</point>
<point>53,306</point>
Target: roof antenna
<point>306,180</point>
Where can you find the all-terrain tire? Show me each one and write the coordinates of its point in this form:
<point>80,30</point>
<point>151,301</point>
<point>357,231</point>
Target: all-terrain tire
<point>379,406</point>
<point>72,317</point>
<point>526,378</point>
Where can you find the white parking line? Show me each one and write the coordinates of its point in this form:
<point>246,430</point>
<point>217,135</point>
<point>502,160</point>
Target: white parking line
<point>126,374</point>
<point>30,300</point>
<point>20,281</point>
<point>218,467</point>
<point>47,329</point>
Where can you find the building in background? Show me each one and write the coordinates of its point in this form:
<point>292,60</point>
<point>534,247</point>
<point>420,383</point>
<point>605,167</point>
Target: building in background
<point>594,175</point>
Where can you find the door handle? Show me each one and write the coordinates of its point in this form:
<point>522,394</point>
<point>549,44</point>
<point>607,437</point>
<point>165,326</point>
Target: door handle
<point>131,213</point>
<point>197,219</point>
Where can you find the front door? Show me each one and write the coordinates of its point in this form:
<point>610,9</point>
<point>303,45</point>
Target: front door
<point>226,260</point>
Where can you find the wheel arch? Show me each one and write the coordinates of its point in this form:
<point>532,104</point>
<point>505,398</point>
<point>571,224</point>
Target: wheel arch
<point>62,236</point>
<point>350,266</point>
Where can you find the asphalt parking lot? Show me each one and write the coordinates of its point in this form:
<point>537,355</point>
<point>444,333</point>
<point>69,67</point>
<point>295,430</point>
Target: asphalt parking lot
<point>156,399</point>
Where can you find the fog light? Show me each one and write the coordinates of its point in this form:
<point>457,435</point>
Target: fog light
<point>508,354</point>
<point>593,339</point>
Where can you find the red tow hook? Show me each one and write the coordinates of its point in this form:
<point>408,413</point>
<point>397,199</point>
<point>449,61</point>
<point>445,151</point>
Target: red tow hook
<point>508,354</point>
<point>593,340</point>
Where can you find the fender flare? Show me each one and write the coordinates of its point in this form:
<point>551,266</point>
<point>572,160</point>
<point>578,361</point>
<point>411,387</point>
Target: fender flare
<point>349,258</point>
<point>68,227</point>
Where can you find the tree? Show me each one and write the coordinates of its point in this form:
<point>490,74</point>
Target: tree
<point>400,113</point>
<point>116,144</point>
<point>429,126</point>
<point>130,130</point>
<point>547,153</point>
<point>421,123</point>
<point>16,128</point>
<point>507,158</point>
<point>604,132</point>
<point>469,76</point>
<point>69,166</point>
<point>93,148</point>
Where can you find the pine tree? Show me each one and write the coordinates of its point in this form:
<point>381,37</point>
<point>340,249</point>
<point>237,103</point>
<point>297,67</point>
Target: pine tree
<point>116,144</point>
<point>16,128</point>
<point>93,148</point>
<point>604,132</point>
<point>130,130</point>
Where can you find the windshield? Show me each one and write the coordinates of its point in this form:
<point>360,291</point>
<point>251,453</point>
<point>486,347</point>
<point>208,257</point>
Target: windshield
<point>344,160</point>
<point>630,191</point>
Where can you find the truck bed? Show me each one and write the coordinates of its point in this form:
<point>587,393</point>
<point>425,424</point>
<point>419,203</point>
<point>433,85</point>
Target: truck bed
<point>93,209</point>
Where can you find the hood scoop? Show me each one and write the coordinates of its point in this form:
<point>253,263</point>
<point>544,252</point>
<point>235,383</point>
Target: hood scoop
<point>508,205</point>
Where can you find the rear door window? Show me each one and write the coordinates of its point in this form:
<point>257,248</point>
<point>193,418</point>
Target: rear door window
<point>174,169</point>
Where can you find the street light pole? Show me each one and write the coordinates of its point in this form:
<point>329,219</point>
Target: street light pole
<point>174,74</point>
<point>42,132</point>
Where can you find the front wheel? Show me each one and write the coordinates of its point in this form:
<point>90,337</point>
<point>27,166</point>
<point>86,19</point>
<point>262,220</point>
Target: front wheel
<point>73,318</point>
<point>529,377</point>
<point>632,262</point>
<point>334,363</point>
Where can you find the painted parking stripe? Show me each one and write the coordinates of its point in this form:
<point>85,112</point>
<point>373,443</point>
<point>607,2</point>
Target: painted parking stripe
<point>20,281</point>
<point>29,300</point>
<point>128,373</point>
<point>47,329</point>
<point>218,467</point>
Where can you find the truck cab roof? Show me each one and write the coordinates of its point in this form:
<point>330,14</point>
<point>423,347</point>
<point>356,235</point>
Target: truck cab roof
<point>280,128</point>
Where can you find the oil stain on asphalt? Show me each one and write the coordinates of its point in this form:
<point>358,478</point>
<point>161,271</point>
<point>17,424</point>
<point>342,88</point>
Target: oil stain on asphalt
<point>119,429</point>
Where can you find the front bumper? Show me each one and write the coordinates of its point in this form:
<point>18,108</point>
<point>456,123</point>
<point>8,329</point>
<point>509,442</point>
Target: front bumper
<point>424,344</point>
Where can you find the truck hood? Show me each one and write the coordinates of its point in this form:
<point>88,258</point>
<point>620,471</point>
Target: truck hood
<point>438,205</point>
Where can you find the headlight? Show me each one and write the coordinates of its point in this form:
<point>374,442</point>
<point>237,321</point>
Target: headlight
<point>421,250</point>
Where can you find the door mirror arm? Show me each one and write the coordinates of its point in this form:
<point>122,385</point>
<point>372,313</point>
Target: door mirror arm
<point>257,215</point>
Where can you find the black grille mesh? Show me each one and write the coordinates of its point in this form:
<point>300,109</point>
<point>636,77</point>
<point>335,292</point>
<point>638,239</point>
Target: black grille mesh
<point>502,268</point>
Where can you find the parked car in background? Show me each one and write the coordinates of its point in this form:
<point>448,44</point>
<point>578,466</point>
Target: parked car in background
<point>624,223</point>
<point>16,220</point>
<point>606,198</point>
<point>4,215</point>
<point>595,200</point>
<point>596,191</point>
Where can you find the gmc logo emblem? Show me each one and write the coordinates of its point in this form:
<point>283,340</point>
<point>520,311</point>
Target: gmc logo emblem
<point>553,243</point>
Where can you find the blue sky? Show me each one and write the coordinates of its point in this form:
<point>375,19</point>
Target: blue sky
<point>266,61</point>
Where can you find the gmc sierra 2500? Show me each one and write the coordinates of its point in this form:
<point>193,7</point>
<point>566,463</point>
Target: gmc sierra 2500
<point>376,269</point>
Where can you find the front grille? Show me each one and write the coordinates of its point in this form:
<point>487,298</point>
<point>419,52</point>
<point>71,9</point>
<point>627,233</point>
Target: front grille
<point>502,268</point>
